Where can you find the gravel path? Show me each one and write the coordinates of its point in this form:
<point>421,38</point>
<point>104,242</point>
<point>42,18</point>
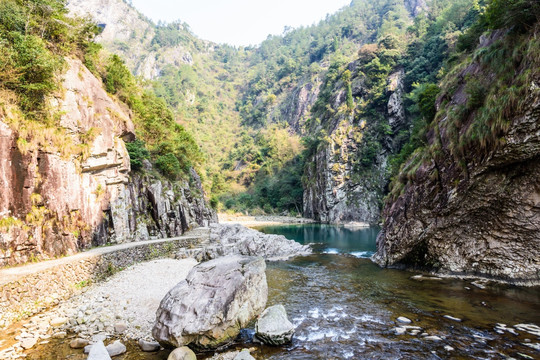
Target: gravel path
<point>128,299</point>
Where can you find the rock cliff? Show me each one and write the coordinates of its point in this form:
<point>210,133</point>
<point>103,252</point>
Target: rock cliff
<point>336,189</point>
<point>55,201</point>
<point>477,213</point>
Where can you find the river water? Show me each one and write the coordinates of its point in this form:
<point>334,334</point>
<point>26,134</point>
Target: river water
<point>345,307</point>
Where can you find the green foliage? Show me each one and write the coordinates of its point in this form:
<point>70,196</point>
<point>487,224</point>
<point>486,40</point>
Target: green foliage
<point>172,147</point>
<point>35,35</point>
<point>137,153</point>
<point>169,165</point>
<point>426,101</point>
<point>118,76</point>
<point>518,14</point>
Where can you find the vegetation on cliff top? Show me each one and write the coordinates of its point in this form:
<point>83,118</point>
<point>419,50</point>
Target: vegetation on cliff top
<point>478,124</point>
<point>35,37</point>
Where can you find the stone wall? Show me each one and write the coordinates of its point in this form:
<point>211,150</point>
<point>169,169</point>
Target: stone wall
<point>27,290</point>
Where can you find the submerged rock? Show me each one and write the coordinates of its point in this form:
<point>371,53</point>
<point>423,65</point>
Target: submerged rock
<point>148,346</point>
<point>244,355</point>
<point>215,301</point>
<point>78,343</point>
<point>404,320</point>
<point>273,326</point>
<point>239,240</point>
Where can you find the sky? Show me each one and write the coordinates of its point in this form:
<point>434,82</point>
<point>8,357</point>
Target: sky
<point>239,22</point>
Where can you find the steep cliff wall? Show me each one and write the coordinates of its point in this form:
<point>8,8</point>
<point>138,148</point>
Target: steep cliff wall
<point>337,187</point>
<point>472,205</point>
<point>55,201</point>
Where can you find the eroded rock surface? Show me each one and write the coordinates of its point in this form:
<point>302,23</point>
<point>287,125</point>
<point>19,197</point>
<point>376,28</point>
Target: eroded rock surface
<point>215,301</point>
<point>55,202</point>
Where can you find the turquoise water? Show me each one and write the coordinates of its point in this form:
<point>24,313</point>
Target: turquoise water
<point>330,239</point>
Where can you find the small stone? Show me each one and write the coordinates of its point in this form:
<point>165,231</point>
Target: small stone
<point>433,338</point>
<point>449,317</point>
<point>59,335</point>
<point>182,353</point>
<point>78,343</point>
<point>400,330</point>
<point>244,355</point>
<point>403,319</point>
<point>448,348</point>
<point>479,284</point>
<point>99,337</point>
<point>116,348</point>
<point>148,346</point>
<point>98,352</point>
<point>28,343</point>
<point>59,321</point>
<point>120,327</point>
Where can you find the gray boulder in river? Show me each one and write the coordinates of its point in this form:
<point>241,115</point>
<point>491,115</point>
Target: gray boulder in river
<point>215,301</point>
<point>273,326</point>
<point>237,239</point>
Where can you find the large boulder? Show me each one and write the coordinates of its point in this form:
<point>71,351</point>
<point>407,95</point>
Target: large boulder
<point>237,239</point>
<point>215,301</point>
<point>273,326</point>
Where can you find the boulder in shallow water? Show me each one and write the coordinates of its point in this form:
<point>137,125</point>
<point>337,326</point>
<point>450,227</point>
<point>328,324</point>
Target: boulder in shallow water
<point>116,348</point>
<point>215,301</point>
<point>273,326</point>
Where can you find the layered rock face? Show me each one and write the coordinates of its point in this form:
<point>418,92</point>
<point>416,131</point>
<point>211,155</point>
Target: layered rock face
<point>333,193</point>
<point>216,300</point>
<point>53,203</point>
<point>481,217</point>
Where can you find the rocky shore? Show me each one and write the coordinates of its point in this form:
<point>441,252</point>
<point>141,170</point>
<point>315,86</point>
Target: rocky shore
<point>262,220</point>
<point>122,309</point>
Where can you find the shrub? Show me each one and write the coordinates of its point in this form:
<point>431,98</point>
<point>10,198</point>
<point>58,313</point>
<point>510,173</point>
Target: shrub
<point>137,153</point>
<point>169,165</point>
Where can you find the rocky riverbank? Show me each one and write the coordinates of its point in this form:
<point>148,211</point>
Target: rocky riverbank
<point>123,307</point>
<point>263,220</point>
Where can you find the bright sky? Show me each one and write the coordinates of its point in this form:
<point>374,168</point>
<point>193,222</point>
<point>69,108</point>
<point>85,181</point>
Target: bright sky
<point>239,22</point>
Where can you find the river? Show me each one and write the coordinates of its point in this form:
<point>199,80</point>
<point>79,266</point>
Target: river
<point>345,307</point>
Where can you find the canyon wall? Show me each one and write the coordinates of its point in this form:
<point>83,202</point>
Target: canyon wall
<point>54,202</point>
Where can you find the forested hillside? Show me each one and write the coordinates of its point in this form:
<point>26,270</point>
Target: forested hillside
<point>317,120</point>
